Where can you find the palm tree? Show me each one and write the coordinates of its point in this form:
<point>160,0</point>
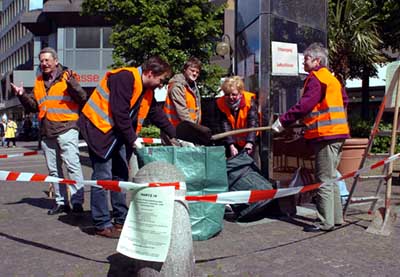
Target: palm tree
<point>353,39</point>
<point>355,43</point>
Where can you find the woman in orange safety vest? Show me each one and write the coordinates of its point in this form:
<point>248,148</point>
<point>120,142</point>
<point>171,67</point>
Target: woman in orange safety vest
<point>239,110</point>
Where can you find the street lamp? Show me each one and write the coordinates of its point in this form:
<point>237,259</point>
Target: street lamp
<point>224,49</point>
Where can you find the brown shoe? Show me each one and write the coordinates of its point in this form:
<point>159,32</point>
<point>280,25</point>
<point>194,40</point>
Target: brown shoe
<point>109,232</point>
<point>118,227</point>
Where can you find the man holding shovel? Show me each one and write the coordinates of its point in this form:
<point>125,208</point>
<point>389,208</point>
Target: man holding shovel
<point>322,108</point>
<point>110,122</point>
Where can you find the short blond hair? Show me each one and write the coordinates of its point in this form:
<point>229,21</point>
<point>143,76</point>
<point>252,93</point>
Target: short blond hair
<point>232,83</point>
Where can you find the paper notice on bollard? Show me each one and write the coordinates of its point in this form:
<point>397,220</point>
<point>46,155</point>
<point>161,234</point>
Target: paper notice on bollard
<point>146,234</point>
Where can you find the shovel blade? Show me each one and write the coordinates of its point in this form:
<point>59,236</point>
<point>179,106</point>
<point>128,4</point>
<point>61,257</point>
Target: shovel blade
<point>383,222</point>
<point>195,133</point>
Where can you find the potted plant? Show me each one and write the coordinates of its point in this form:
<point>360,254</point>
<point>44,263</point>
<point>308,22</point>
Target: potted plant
<point>354,147</point>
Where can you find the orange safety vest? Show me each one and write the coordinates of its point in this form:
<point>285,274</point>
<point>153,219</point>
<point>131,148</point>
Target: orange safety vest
<point>97,108</point>
<point>328,118</point>
<point>191,104</point>
<point>241,120</point>
<point>55,104</point>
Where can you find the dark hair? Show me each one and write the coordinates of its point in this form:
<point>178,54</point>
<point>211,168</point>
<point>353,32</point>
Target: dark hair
<point>157,66</point>
<point>49,50</point>
<point>192,62</point>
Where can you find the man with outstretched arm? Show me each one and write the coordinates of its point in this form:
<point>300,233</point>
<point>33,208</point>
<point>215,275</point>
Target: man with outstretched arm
<point>57,96</point>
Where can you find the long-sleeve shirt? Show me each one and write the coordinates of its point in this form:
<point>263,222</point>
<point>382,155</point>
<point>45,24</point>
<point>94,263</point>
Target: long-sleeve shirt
<point>124,118</point>
<point>314,92</point>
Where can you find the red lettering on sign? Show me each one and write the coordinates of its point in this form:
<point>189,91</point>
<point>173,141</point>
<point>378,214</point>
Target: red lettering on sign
<point>88,78</point>
<point>290,50</point>
<point>285,65</point>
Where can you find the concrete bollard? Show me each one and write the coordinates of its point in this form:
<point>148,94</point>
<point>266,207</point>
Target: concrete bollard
<point>180,258</point>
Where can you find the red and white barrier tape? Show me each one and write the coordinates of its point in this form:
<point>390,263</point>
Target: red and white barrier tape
<point>106,184</point>
<point>233,197</point>
<point>30,153</point>
<point>81,144</point>
<point>239,197</point>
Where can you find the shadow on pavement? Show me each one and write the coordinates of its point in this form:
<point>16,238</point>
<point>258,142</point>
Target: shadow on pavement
<point>41,202</point>
<point>83,221</point>
<point>120,265</point>
<point>46,247</point>
<point>276,246</point>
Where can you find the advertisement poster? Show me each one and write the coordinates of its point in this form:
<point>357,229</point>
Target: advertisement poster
<point>146,234</point>
<point>284,58</point>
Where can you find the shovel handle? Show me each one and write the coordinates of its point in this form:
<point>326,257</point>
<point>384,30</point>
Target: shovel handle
<point>239,131</point>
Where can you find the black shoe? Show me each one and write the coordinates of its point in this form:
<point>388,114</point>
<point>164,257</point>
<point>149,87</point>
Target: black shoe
<point>58,209</point>
<point>315,229</point>
<point>77,208</point>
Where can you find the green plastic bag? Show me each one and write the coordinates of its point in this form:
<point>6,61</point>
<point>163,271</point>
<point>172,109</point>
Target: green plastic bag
<point>205,172</point>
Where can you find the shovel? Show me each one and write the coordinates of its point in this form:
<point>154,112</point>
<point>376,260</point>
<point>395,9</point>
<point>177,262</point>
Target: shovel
<point>202,135</point>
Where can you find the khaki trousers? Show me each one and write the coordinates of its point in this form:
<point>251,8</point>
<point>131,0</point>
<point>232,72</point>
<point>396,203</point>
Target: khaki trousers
<point>329,206</point>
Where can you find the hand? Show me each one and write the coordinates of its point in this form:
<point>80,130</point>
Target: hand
<point>138,144</point>
<point>233,150</point>
<point>69,74</point>
<point>185,143</point>
<point>18,90</point>
<point>249,148</point>
<point>277,126</point>
<point>174,142</point>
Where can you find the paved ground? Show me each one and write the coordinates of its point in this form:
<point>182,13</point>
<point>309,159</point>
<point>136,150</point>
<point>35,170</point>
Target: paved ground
<point>35,244</point>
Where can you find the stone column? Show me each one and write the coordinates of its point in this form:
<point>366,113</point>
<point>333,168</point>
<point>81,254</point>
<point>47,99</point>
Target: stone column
<point>180,258</point>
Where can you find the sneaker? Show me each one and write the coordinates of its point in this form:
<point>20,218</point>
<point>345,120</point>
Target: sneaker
<point>58,209</point>
<point>316,229</point>
<point>109,232</point>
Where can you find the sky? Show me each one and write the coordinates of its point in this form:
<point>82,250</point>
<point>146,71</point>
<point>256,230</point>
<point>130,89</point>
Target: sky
<point>35,4</point>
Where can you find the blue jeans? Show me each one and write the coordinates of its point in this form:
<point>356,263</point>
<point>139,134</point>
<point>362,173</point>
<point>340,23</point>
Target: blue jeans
<point>64,148</point>
<point>113,168</point>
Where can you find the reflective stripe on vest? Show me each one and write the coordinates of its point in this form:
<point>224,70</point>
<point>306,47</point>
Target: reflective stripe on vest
<point>241,120</point>
<point>97,108</point>
<point>328,118</point>
<point>191,104</point>
<point>55,104</point>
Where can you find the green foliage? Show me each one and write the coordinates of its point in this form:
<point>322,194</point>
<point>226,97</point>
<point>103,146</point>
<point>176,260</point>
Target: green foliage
<point>149,131</point>
<point>362,129</point>
<point>354,39</point>
<point>382,143</point>
<point>388,20</point>
<point>172,29</point>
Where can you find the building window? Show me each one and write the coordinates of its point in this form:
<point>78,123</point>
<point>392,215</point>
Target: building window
<point>88,48</point>
<point>88,37</point>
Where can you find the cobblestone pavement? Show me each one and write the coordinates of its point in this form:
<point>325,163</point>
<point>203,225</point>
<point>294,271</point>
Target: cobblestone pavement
<point>35,244</point>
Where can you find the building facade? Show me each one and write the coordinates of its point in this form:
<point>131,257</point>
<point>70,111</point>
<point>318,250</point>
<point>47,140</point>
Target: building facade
<point>82,43</point>
<point>16,45</point>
